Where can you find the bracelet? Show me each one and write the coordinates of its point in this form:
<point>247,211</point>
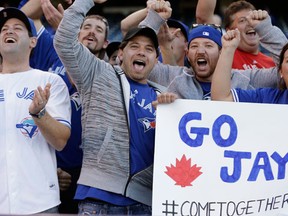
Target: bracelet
<point>40,114</point>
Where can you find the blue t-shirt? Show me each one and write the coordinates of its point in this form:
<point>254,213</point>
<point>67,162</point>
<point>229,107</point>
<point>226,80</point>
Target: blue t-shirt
<point>206,87</point>
<point>261,95</point>
<point>142,137</point>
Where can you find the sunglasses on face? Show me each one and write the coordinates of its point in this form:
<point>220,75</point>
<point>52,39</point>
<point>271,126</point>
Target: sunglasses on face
<point>215,26</point>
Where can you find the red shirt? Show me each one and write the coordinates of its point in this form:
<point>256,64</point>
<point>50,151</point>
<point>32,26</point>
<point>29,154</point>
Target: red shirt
<point>244,60</point>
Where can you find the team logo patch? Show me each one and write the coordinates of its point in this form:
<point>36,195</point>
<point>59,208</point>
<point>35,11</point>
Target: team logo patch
<point>148,123</point>
<point>27,127</point>
<point>75,98</point>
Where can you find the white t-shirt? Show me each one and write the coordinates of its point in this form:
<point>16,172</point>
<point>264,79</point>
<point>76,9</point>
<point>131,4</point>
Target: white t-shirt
<point>28,170</point>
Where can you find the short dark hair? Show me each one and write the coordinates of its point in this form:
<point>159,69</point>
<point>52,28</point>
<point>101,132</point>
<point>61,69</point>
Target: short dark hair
<point>281,83</point>
<point>101,18</point>
<point>233,8</point>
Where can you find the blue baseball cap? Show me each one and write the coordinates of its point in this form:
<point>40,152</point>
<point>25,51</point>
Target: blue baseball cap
<point>12,12</point>
<point>205,31</point>
<point>178,24</point>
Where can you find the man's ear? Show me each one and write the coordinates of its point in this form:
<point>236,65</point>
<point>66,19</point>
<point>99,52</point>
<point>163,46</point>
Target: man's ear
<point>33,42</point>
<point>105,44</point>
<point>120,55</point>
<point>186,48</point>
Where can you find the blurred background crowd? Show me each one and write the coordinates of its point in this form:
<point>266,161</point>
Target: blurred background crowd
<point>115,11</point>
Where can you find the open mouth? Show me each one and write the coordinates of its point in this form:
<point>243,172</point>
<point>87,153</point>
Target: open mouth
<point>251,32</point>
<point>10,40</point>
<point>201,62</point>
<point>139,65</point>
<point>91,39</point>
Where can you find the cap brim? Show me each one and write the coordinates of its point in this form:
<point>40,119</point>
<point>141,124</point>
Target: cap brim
<point>146,31</point>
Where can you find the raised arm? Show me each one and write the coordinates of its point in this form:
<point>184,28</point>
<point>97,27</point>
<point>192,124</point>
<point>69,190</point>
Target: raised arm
<point>221,80</point>
<point>163,8</point>
<point>74,55</point>
<point>205,11</point>
<point>52,15</point>
<point>33,9</point>
<point>271,37</point>
<point>133,20</point>
<point>165,38</point>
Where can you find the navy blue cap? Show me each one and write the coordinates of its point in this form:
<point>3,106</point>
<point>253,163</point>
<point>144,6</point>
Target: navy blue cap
<point>12,12</point>
<point>178,24</point>
<point>205,31</point>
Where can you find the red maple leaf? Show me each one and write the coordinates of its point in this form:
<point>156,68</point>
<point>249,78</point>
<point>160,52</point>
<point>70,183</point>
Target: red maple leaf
<point>183,173</point>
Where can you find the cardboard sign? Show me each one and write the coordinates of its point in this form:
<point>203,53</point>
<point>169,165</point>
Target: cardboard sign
<point>221,158</point>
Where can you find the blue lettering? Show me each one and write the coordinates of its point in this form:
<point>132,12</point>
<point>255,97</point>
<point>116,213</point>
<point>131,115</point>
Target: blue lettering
<point>281,164</point>
<point>199,131</point>
<point>19,95</point>
<point>237,156</point>
<point>217,128</point>
<point>266,167</point>
<point>25,95</point>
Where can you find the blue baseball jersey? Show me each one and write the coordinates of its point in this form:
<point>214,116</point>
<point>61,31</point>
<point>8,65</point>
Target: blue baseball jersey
<point>261,95</point>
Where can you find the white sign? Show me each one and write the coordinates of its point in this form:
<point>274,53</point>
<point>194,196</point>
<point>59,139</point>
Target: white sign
<point>220,159</point>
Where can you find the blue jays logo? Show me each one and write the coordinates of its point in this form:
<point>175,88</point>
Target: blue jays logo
<point>28,127</point>
<point>133,95</point>
<point>148,123</point>
<point>75,98</point>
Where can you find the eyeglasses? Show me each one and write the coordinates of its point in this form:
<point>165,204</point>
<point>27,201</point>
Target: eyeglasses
<point>215,26</point>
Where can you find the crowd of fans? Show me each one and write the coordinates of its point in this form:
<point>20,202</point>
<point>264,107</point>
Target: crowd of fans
<point>115,70</point>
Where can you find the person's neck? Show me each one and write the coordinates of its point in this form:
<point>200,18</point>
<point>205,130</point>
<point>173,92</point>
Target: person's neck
<point>15,67</point>
<point>13,63</point>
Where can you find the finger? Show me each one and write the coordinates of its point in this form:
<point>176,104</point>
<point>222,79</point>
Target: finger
<point>37,98</point>
<point>162,98</point>
<point>47,91</point>
<point>59,171</point>
<point>42,97</point>
<point>64,180</point>
<point>60,9</point>
<point>173,97</point>
<point>167,3</point>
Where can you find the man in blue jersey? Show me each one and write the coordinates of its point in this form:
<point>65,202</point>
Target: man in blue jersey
<point>118,116</point>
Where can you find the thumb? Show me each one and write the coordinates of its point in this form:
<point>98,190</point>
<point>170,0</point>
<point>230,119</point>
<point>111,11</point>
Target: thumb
<point>59,171</point>
<point>154,104</point>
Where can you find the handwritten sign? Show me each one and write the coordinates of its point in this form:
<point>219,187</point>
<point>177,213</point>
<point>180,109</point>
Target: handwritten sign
<point>221,158</point>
